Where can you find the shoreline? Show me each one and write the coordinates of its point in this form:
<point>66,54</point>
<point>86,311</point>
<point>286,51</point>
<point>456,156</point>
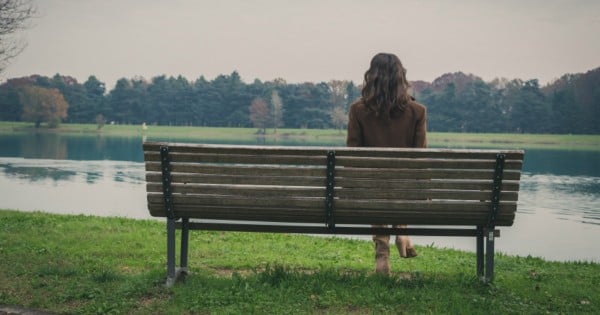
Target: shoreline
<point>310,136</point>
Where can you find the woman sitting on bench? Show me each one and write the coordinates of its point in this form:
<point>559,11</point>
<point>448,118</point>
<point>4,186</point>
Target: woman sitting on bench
<point>387,116</point>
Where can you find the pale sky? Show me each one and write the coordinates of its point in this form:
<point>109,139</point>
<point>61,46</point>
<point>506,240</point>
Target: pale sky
<point>309,40</point>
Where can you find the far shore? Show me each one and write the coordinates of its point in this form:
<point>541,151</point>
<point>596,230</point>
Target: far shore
<point>310,136</point>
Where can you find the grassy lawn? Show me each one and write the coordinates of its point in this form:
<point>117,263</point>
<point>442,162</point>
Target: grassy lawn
<point>91,265</point>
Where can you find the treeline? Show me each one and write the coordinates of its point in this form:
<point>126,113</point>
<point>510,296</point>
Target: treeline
<point>456,102</point>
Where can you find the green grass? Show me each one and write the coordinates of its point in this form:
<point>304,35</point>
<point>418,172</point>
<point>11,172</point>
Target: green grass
<point>91,265</point>
<point>314,136</point>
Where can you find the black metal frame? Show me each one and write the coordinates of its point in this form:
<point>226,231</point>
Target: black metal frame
<point>329,191</point>
<point>173,273</point>
<point>485,267</point>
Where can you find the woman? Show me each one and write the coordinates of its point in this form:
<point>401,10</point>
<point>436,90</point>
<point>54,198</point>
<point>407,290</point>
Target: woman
<point>387,116</point>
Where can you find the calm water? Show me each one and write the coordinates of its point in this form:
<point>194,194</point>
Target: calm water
<point>558,215</point>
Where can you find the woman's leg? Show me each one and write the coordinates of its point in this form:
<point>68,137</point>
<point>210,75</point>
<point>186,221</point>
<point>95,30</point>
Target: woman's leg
<point>404,245</point>
<point>382,253</point>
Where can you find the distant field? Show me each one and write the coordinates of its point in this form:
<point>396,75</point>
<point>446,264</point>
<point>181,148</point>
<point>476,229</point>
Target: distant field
<point>316,136</point>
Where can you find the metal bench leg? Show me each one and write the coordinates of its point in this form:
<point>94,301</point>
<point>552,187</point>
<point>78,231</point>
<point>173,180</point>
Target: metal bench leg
<point>480,253</point>
<point>489,264</point>
<point>185,235</point>
<point>171,272</point>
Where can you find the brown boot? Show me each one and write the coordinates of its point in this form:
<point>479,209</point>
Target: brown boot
<point>382,257</point>
<point>405,247</point>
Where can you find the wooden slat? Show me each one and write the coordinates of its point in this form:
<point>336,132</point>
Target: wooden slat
<point>340,151</point>
<point>245,170</point>
<point>340,230</point>
<point>341,204</point>
<point>341,217</point>
<point>407,163</point>
<point>370,162</point>
<point>429,153</point>
<point>342,193</point>
<point>314,192</point>
<point>217,200</point>
<point>428,220</point>
<point>419,194</point>
<point>240,159</point>
<point>261,191</point>
<point>507,185</point>
<point>215,212</point>
<point>238,149</point>
<point>403,173</point>
<point>424,184</point>
<point>378,173</point>
<point>424,206</point>
<point>240,180</point>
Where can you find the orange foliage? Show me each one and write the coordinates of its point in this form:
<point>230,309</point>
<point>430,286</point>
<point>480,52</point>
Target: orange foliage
<point>43,105</point>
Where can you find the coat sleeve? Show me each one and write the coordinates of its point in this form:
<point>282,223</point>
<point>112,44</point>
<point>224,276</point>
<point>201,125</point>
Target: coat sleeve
<point>354,136</point>
<point>420,140</point>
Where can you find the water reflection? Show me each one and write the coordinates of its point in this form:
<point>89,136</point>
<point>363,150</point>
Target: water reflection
<point>105,188</point>
<point>44,146</point>
<point>562,162</point>
<point>36,173</point>
<point>71,147</point>
<point>574,198</point>
<point>91,172</point>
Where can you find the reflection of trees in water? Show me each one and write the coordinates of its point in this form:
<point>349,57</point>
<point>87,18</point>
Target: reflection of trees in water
<point>44,146</point>
<point>87,172</point>
<point>128,176</point>
<point>92,177</point>
<point>119,176</point>
<point>38,173</point>
<point>100,143</point>
<point>35,173</point>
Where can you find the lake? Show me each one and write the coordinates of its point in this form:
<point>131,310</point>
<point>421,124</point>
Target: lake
<point>558,214</point>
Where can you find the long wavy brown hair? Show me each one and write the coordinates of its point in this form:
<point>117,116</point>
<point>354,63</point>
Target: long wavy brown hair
<point>385,85</point>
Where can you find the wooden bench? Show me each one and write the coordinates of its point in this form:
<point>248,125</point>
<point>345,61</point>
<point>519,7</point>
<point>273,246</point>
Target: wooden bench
<point>336,190</point>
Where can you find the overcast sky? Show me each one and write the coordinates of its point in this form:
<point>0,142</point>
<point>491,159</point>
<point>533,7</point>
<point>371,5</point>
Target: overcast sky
<point>309,40</point>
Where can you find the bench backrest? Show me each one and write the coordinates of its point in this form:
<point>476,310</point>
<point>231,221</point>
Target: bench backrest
<point>367,185</point>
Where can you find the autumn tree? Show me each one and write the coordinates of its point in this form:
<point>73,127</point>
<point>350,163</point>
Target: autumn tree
<point>43,105</point>
<point>259,114</point>
<point>14,15</point>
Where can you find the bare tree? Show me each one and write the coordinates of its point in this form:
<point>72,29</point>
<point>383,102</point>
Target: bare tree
<point>276,110</point>
<point>338,93</point>
<point>339,118</point>
<point>338,97</point>
<point>14,15</point>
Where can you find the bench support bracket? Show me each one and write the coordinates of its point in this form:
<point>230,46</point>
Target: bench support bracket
<point>485,253</point>
<point>173,273</point>
<point>485,269</point>
<point>329,191</point>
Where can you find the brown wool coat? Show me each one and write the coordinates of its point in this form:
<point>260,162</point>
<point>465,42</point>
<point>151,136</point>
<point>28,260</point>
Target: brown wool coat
<point>400,130</point>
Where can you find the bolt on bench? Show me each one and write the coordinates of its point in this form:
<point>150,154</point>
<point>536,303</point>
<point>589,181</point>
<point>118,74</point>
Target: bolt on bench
<point>337,190</point>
